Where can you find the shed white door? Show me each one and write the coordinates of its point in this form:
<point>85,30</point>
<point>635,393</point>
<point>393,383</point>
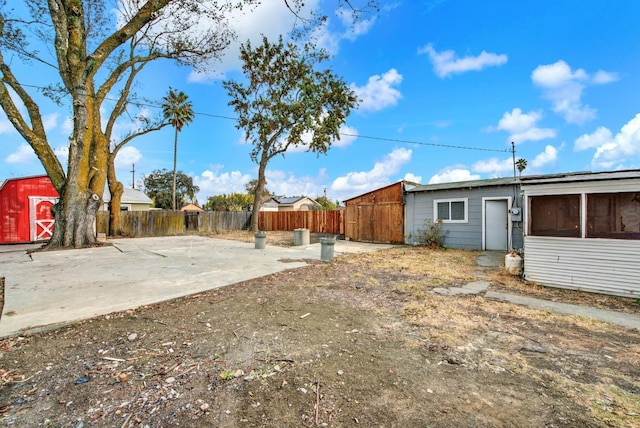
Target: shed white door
<point>496,225</point>
<point>41,218</point>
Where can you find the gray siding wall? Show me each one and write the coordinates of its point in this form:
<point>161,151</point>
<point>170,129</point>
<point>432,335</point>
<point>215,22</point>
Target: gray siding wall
<point>419,208</point>
<point>608,266</point>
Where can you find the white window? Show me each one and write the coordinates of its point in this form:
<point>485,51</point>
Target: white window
<point>451,210</point>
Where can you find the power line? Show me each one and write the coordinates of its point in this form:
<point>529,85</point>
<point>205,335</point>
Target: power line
<point>449,146</point>
<point>394,140</point>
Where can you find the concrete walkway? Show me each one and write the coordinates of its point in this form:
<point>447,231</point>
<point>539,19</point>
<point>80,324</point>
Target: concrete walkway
<point>48,289</point>
<point>53,288</point>
<point>495,259</point>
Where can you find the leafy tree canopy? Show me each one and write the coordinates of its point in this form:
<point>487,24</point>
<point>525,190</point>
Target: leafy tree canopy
<point>286,101</point>
<point>326,203</point>
<point>230,202</point>
<point>252,185</point>
<point>158,185</point>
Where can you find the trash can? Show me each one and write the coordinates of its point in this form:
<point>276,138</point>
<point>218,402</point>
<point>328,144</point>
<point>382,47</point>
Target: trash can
<point>261,240</point>
<point>326,248</point>
<point>300,237</point>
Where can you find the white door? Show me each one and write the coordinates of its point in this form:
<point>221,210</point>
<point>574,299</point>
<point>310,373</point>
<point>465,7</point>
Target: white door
<point>496,225</point>
<point>41,218</point>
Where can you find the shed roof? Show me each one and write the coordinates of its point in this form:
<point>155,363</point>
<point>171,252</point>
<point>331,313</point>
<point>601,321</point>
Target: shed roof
<point>3,182</point>
<point>464,184</point>
<point>407,185</point>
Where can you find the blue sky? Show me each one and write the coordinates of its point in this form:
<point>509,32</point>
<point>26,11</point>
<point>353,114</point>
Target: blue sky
<point>445,85</point>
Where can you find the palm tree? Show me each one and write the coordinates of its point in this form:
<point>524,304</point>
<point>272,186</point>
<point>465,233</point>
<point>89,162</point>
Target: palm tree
<point>177,109</point>
<point>521,164</point>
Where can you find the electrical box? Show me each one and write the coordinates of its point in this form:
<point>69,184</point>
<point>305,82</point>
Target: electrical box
<point>516,214</point>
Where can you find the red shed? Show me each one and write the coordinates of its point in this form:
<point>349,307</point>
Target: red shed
<point>25,209</point>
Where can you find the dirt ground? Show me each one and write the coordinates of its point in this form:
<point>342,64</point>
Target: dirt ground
<point>358,341</point>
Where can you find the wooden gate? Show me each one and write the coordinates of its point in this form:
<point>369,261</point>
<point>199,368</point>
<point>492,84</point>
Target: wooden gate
<point>375,222</point>
<point>40,217</point>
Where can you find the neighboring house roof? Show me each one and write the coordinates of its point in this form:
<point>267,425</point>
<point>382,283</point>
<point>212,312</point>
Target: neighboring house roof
<point>293,200</point>
<point>129,196</point>
<point>464,184</point>
<point>191,207</point>
<point>283,200</point>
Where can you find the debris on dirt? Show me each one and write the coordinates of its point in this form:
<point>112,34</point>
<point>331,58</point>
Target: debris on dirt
<point>375,348</point>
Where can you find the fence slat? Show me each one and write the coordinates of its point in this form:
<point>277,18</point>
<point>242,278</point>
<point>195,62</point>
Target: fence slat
<point>320,221</point>
<point>166,223</point>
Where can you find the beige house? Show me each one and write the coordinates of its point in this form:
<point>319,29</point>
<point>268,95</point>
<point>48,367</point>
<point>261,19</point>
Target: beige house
<point>295,203</point>
<point>131,200</point>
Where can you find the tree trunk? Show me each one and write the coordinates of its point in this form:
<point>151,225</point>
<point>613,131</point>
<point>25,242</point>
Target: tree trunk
<point>257,196</point>
<point>116,189</point>
<point>175,162</point>
<point>81,194</point>
<point>75,218</point>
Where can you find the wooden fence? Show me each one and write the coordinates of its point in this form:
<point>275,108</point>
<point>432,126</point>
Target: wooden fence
<point>167,223</point>
<point>316,221</point>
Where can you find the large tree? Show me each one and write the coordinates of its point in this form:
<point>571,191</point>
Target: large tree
<point>287,102</point>
<point>158,185</point>
<point>92,56</point>
<point>97,49</point>
<point>177,109</point>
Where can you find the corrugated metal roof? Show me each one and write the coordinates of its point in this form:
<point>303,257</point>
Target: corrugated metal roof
<point>464,184</point>
<point>580,176</point>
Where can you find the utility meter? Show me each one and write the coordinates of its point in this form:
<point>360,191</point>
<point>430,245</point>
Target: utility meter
<point>516,214</point>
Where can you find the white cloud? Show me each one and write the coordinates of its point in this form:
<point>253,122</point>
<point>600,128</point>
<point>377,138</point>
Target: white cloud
<point>269,18</point>
<point>272,19</point>
<point>601,136</point>
<point>380,175</point>
<point>127,156</point>
<point>447,62</point>
<point>347,136</point>
<point>549,155</point>
<point>24,154</point>
<point>379,92</point>
<point>214,182</point>
<point>452,174</point>
<point>50,121</point>
<point>564,87</point>
<point>522,126</point>
<point>354,26</point>
<point>413,178</point>
<point>287,184</point>
<point>616,151</point>
<point>494,166</point>
<point>603,77</point>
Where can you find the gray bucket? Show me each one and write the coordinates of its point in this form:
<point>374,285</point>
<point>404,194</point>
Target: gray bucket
<point>261,240</point>
<point>326,248</point>
<point>300,237</point>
